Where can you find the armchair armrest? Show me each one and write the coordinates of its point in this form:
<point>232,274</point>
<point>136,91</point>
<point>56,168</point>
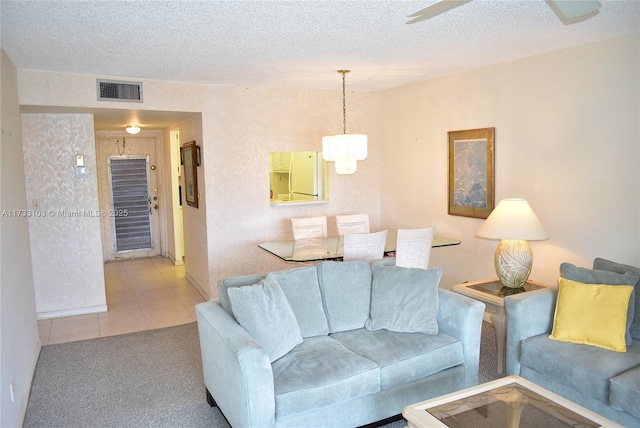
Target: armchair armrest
<point>237,371</point>
<point>461,317</point>
<point>528,314</point>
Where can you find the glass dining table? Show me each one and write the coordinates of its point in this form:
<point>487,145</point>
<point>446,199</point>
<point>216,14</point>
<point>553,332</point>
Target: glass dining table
<point>331,247</point>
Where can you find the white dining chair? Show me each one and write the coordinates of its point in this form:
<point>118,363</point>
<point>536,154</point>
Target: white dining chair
<point>309,227</point>
<point>364,246</point>
<point>352,223</point>
<point>413,247</point>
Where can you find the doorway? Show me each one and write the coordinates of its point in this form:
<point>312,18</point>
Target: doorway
<point>136,156</point>
<point>131,212</point>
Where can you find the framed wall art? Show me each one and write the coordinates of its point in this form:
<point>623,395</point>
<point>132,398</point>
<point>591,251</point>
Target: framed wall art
<point>471,172</point>
<point>190,162</point>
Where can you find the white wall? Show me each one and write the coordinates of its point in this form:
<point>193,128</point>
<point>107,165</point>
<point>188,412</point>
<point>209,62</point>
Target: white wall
<point>65,238</point>
<point>567,140</point>
<point>19,341</point>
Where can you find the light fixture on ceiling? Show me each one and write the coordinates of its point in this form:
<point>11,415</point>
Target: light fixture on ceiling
<point>344,149</point>
<point>513,222</point>
<point>132,129</point>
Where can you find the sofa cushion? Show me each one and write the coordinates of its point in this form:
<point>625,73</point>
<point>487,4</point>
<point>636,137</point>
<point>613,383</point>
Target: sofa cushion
<point>594,276</point>
<point>263,310</point>
<point>320,372</point>
<point>403,357</point>
<point>404,300</point>
<point>346,291</point>
<point>625,392</point>
<point>582,367</point>
<point>240,281</point>
<point>607,265</point>
<point>303,293</point>
<point>591,314</point>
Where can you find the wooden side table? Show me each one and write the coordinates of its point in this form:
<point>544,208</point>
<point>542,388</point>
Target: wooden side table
<point>492,293</point>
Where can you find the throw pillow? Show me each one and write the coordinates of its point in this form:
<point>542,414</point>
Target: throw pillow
<point>592,276</point>
<point>263,310</point>
<point>591,314</point>
<point>602,264</point>
<point>404,300</point>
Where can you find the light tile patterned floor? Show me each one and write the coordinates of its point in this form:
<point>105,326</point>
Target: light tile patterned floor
<point>142,294</point>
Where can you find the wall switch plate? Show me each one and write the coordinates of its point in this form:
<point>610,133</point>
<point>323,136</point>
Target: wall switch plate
<point>79,160</point>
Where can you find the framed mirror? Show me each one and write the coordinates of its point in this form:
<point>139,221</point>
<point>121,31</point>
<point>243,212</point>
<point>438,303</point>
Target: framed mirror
<point>296,177</point>
<point>190,164</point>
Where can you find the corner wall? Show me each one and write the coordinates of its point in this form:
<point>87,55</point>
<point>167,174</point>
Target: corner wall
<point>66,246</point>
<point>567,140</point>
<point>19,341</point>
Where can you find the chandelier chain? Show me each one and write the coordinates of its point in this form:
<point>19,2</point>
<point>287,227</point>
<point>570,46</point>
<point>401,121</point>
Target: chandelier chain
<point>344,102</point>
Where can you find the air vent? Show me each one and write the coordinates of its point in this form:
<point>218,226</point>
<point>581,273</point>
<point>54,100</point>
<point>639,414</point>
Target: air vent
<point>113,90</point>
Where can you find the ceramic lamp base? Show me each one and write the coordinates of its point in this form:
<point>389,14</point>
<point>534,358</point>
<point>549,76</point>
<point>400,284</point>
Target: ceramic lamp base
<point>513,260</point>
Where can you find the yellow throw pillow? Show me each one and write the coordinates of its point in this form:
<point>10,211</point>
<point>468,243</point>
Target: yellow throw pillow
<point>591,314</point>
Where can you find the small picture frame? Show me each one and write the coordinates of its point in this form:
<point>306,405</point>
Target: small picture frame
<point>471,172</point>
<point>190,159</point>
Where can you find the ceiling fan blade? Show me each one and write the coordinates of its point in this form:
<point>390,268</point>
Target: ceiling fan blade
<point>435,10</point>
<point>572,11</point>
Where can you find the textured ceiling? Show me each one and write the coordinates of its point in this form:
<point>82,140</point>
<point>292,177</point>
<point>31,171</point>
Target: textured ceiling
<point>290,43</point>
<point>298,44</point>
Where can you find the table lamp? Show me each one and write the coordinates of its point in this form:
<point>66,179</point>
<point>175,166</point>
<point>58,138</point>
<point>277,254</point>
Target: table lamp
<point>513,222</point>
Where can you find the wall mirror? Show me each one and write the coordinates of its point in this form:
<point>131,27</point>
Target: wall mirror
<point>297,177</point>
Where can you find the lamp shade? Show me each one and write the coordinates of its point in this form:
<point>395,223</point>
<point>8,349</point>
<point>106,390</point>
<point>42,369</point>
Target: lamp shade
<point>345,150</point>
<point>513,218</point>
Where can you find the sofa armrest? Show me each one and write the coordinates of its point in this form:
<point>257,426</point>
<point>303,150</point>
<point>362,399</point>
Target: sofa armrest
<point>461,317</point>
<point>237,371</point>
<point>528,314</point>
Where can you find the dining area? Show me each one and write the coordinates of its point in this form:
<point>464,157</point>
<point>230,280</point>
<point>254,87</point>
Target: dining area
<point>356,241</point>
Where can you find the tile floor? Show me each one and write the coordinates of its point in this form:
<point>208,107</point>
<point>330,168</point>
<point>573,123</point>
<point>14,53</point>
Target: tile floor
<point>142,294</point>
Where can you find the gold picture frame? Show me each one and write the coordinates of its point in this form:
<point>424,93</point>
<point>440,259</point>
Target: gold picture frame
<point>471,172</point>
<point>190,164</point>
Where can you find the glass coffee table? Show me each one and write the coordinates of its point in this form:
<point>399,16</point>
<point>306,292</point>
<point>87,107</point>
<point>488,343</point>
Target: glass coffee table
<point>508,402</point>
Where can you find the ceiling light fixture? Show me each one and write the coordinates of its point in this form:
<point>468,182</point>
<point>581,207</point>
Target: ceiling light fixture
<point>132,129</point>
<point>344,149</point>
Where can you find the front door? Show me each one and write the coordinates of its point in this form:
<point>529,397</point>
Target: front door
<point>131,205</point>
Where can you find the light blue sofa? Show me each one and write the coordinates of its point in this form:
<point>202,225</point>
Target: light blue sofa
<point>604,381</point>
<point>342,373</point>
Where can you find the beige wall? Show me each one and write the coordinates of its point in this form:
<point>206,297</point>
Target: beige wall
<point>567,140</point>
<point>239,126</point>
<point>19,341</point>
<point>65,236</point>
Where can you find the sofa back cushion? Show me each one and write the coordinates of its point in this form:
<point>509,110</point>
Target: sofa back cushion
<point>593,276</point>
<point>346,293</point>
<point>404,300</point>
<point>303,293</point>
<point>607,265</point>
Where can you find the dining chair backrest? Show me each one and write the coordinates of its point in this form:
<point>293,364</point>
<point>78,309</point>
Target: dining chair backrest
<point>413,247</point>
<point>364,246</point>
<point>352,223</point>
<point>309,227</point>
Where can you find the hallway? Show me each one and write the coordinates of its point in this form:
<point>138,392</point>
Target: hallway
<point>142,294</point>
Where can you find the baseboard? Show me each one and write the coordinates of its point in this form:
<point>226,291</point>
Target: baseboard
<point>71,312</point>
<point>197,286</point>
<point>487,317</point>
<point>173,259</point>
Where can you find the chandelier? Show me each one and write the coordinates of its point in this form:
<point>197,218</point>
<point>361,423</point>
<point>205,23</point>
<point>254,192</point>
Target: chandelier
<point>344,149</point>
